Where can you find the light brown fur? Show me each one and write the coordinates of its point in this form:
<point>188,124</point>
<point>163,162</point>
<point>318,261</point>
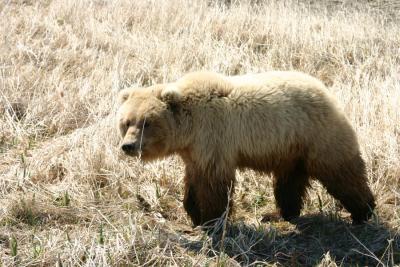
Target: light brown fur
<point>280,122</point>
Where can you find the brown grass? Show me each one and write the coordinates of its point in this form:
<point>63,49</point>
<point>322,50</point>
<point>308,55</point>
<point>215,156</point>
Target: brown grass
<point>68,196</point>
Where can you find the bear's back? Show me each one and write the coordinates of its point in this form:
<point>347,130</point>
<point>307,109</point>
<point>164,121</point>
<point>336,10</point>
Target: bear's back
<point>274,86</point>
<point>288,83</point>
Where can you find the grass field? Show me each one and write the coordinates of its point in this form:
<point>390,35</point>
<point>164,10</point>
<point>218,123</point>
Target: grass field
<point>68,197</point>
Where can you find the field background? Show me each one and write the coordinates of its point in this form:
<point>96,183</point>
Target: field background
<point>68,197</point>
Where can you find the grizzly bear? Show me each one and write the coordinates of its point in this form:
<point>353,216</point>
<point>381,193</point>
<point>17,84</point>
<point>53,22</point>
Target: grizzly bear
<point>284,123</point>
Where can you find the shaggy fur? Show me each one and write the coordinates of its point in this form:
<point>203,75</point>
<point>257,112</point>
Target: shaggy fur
<point>283,123</point>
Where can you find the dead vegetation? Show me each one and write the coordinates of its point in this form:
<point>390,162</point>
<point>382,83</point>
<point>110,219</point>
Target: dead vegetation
<point>67,195</point>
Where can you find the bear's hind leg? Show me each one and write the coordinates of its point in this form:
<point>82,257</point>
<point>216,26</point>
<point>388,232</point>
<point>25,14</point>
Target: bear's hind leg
<point>348,184</point>
<point>290,185</point>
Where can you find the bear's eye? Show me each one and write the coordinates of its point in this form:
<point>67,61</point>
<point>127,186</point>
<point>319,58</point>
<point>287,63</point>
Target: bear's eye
<point>144,124</point>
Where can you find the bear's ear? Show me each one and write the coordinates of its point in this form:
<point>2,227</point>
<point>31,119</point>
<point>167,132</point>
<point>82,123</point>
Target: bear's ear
<point>123,95</point>
<point>172,96</point>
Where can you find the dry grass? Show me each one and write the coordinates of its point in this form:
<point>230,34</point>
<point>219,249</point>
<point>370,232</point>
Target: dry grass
<point>67,195</point>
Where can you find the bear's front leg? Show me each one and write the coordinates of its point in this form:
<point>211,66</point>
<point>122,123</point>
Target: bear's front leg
<point>206,194</point>
<point>190,203</point>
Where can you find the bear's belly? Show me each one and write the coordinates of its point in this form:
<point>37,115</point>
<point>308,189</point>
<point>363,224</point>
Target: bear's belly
<point>257,163</point>
<point>269,162</point>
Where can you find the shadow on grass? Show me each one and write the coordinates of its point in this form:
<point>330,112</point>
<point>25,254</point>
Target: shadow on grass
<point>306,243</point>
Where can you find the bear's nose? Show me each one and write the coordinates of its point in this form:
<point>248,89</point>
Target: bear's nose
<point>128,147</point>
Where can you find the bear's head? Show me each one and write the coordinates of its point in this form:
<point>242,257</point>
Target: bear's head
<point>147,119</point>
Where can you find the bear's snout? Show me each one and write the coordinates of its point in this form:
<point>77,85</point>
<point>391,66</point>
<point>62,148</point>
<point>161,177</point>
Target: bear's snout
<point>129,148</point>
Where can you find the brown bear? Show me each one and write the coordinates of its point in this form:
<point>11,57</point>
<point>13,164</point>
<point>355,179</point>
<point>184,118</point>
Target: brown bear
<point>284,123</point>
